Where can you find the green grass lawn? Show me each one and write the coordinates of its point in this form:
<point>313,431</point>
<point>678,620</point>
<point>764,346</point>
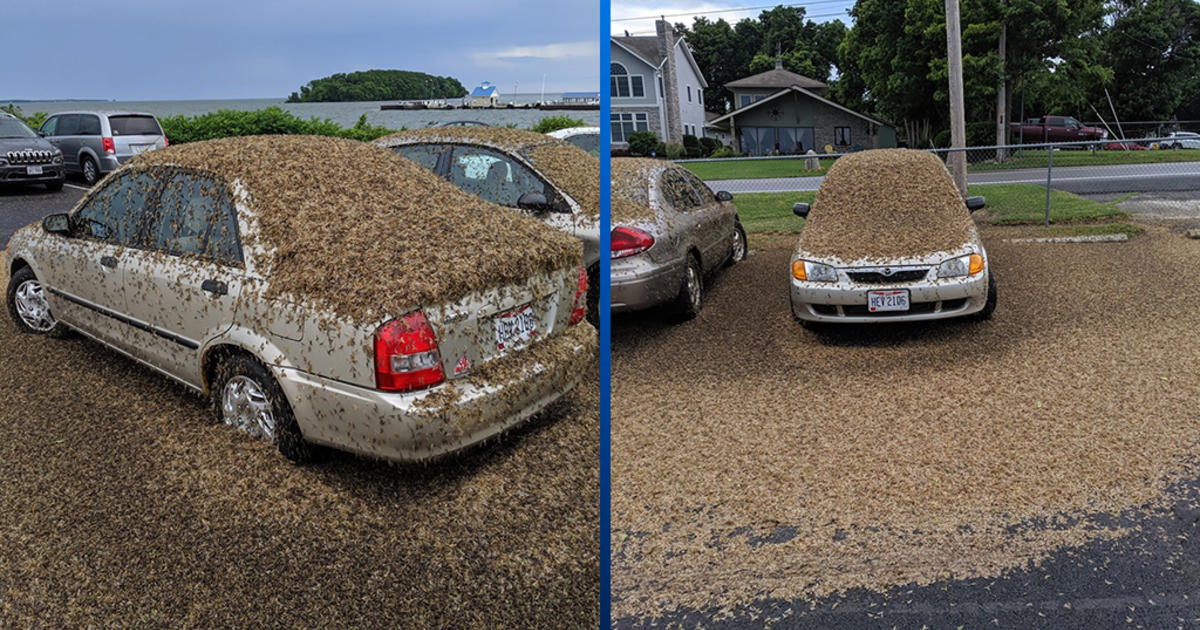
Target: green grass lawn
<point>1031,158</point>
<point>1007,204</point>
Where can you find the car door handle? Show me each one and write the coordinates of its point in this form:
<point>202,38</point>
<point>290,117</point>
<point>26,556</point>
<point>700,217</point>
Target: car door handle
<point>214,287</point>
<point>109,261</point>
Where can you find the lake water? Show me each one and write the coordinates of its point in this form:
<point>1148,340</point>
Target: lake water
<point>345,114</point>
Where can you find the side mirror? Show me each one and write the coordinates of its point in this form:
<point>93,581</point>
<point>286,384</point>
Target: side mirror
<point>724,195</point>
<point>57,224</point>
<point>41,134</point>
<point>975,203</point>
<point>533,201</point>
<point>800,209</point>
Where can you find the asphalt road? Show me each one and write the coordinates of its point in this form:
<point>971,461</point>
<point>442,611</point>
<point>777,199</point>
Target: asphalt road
<point>22,205</point>
<point>1077,179</point>
<point>744,401</point>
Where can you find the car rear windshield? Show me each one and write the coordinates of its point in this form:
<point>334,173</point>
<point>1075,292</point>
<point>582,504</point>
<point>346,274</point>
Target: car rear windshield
<point>12,128</point>
<point>134,126</point>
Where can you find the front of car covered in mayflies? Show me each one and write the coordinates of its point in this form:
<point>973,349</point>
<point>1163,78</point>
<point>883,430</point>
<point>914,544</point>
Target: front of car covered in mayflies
<point>889,239</point>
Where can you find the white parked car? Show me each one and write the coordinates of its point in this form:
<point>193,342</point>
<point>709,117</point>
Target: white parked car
<point>1181,140</point>
<point>586,138</point>
<point>889,238</point>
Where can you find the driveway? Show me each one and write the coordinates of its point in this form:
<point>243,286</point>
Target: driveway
<point>1036,470</point>
<point>22,205</point>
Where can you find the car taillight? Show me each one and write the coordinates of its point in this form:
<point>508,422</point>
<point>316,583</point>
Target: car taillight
<point>406,355</point>
<point>627,241</point>
<point>166,141</point>
<point>108,145</point>
<point>579,309</point>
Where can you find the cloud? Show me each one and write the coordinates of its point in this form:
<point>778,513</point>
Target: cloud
<point>554,52</point>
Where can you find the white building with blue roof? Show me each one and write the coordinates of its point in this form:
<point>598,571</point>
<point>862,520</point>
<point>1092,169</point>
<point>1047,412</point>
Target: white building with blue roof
<point>485,95</point>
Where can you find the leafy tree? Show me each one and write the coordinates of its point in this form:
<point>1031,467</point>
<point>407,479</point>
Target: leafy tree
<point>378,85</point>
<point>1153,49</point>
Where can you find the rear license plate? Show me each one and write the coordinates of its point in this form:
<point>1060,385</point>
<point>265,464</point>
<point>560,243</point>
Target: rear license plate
<point>515,328</point>
<point>33,170</point>
<point>141,148</point>
<point>887,301</point>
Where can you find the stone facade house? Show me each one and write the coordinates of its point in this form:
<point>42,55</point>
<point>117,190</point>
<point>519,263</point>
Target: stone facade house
<point>655,85</point>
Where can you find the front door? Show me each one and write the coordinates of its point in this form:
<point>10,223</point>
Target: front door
<point>184,287</point>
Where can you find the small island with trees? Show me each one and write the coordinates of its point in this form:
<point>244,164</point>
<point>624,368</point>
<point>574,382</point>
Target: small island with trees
<point>378,85</point>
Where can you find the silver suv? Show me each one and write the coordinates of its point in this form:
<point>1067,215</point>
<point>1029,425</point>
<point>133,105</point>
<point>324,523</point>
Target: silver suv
<point>95,143</point>
<point>25,158</point>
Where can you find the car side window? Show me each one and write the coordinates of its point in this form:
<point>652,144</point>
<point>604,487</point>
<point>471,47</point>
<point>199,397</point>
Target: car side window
<point>677,191</point>
<point>89,125</point>
<point>424,154</point>
<point>48,127</point>
<point>195,218</point>
<point>118,212</point>
<point>494,176</point>
<point>702,189</point>
<point>68,125</point>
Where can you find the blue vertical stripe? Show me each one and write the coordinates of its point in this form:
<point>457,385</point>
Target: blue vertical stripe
<point>605,329</point>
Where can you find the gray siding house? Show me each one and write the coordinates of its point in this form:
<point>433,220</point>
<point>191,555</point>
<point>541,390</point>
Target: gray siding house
<point>655,85</point>
<point>781,112</point>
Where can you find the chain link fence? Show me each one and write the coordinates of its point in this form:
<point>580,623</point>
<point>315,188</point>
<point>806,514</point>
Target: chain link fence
<point>1045,183</point>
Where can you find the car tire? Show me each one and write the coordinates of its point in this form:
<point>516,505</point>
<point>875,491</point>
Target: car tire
<point>243,389</point>
<point>593,296</point>
<point>54,186</point>
<point>89,170</point>
<point>990,305</point>
<point>28,306</point>
<point>737,253</point>
<point>691,290</point>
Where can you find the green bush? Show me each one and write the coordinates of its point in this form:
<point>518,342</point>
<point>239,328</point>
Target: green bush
<point>691,146</point>
<point>642,143</point>
<point>554,123</point>
<point>725,152</point>
<point>270,121</point>
<point>709,145</point>
<point>34,120</point>
<point>672,151</point>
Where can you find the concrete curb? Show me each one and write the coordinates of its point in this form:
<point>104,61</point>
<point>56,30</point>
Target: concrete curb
<point>1095,238</point>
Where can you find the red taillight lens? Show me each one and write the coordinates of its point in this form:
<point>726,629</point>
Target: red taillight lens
<point>579,310</point>
<point>406,355</point>
<point>166,141</point>
<point>108,145</point>
<point>627,241</point>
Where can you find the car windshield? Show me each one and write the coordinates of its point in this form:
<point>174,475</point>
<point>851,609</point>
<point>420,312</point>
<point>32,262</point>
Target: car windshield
<point>589,142</point>
<point>13,128</point>
<point>134,126</point>
<point>885,204</point>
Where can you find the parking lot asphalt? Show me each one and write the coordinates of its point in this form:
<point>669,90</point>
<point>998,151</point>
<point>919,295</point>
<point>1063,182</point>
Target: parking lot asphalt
<point>123,505</point>
<point>1033,471</point>
<point>22,205</point>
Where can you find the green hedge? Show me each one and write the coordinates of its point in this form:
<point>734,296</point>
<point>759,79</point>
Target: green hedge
<point>272,120</point>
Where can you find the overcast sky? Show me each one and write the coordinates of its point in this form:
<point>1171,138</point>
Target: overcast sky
<point>205,49</point>
<point>684,11</point>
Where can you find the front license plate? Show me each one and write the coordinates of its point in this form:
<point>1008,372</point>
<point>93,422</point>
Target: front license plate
<point>887,301</point>
<point>33,170</point>
<point>515,328</point>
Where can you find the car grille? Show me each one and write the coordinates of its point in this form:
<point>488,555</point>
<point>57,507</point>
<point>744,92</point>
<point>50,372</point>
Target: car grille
<point>878,277</point>
<point>30,156</point>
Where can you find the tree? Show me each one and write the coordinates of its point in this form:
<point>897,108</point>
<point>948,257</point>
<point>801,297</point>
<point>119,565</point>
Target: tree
<point>1153,49</point>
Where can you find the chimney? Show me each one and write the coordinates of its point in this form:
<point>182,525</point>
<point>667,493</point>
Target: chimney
<point>672,126</point>
<point>778,57</point>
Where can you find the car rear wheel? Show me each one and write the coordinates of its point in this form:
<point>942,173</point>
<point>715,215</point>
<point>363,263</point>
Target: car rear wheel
<point>28,306</point>
<point>246,396</point>
<point>737,253</point>
<point>91,172</point>
<point>691,290</point>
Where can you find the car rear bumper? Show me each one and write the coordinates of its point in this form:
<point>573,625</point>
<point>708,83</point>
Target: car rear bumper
<point>639,283</point>
<point>846,302</point>
<point>446,418</point>
<point>14,173</point>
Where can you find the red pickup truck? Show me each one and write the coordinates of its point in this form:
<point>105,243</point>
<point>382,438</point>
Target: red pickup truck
<point>1055,129</point>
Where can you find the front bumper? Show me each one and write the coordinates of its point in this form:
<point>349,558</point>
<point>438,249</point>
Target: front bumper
<point>639,283</point>
<point>452,416</point>
<point>13,173</point>
<point>845,301</point>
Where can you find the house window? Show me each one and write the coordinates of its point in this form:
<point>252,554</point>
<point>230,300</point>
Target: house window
<point>689,93</point>
<point>841,135</point>
<point>623,85</point>
<point>623,126</point>
<point>745,100</point>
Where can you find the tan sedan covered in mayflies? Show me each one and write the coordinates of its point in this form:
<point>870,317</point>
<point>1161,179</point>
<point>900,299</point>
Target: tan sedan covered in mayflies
<point>319,291</point>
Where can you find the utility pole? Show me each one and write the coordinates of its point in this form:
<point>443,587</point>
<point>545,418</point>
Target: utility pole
<point>958,124</point>
<point>1001,95</point>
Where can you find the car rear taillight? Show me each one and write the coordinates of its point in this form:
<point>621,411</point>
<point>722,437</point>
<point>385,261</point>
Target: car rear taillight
<point>166,141</point>
<point>627,241</point>
<point>406,355</point>
<point>579,309</point>
<point>108,145</point>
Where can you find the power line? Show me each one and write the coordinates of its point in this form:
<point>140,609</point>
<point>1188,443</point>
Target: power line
<point>772,6</point>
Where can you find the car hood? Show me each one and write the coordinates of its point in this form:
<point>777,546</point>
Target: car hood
<point>24,144</point>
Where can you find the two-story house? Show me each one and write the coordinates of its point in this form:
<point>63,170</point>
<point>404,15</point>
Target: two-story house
<point>655,85</point>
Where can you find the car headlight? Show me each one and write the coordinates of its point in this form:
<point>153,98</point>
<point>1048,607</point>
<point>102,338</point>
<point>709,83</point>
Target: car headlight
<point>3,162</point>
<point>58,157</point>
<point>970,264</point>
<point>813,271</point>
